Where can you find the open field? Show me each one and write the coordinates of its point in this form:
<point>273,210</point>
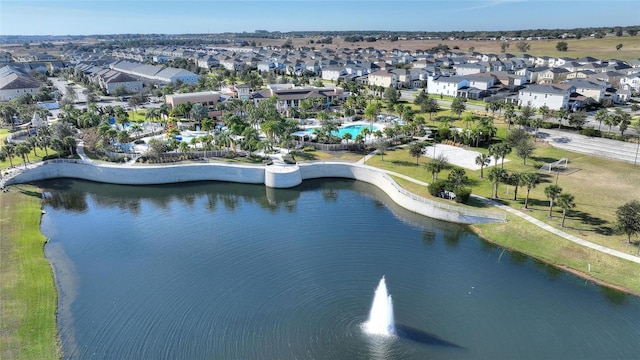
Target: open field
<point>28,298</point>
<point>604,48</point>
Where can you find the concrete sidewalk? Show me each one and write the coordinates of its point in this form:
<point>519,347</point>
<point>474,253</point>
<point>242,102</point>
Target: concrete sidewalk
<point>531,219</point>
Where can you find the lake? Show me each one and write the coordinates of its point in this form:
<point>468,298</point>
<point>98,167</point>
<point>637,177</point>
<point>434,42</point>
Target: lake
<point>231,271</point>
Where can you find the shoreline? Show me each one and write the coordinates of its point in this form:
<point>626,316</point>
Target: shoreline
<point>563,267</point>
<point>37,213</point>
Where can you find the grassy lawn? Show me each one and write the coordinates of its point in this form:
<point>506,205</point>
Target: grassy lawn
<point>137,115</point>
<point>521,236</point>
<point>34,156</point>
<point>600,186</point>
<point>28,298</point>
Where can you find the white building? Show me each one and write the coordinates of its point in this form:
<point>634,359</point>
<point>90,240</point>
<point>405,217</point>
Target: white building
<point>446,85</point>
<point>553,96</point>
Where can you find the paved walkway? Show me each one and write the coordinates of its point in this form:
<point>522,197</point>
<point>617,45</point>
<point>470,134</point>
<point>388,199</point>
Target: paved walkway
<point>529,218</point>
<point>559,232</point>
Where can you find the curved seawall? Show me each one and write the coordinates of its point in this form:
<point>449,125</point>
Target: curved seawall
<point>273,176</point>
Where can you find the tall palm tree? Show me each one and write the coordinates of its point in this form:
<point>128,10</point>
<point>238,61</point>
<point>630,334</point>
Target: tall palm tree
<point>136,129</point>
<point>566,202</point>
<point>529,180</point>
<point>496,176</point>
<point>561,114</point>
<point>552,192</point>
<point>207,125</point>
<point>516,179</point>
<point>601,115</point>
<point>611,120</point>
<point>9,150</point>
<point>483,160</point>
<point>23,151</point>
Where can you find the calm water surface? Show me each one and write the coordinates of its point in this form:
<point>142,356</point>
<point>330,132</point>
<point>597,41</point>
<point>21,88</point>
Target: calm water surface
<point>229,271</point>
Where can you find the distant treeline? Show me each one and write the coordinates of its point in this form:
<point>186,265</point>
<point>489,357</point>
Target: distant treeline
<point>326,36</point>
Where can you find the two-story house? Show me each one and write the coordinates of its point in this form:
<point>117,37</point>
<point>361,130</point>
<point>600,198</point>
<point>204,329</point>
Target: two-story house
<point>554,97</point>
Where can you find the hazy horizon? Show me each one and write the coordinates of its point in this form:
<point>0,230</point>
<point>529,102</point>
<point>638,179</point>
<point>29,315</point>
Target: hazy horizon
<point>103,17</point>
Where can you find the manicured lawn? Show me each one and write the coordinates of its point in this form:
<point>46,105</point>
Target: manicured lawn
<point>137,115</point>
<point>28,298</point>
<point>600,186</point>
<point>17,160</point>
<point>519,235</point>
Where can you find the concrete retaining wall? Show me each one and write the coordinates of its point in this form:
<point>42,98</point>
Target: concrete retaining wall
<point>142,175</point>
<point>273,176</point>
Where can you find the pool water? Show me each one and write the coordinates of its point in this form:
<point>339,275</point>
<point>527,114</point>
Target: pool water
<point>354,130</point>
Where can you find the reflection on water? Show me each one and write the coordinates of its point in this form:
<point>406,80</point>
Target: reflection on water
<point>222,270</point>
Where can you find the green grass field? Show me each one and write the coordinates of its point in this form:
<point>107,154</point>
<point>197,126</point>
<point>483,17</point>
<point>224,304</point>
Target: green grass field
<point>28,298</point>
<point>34,155</point>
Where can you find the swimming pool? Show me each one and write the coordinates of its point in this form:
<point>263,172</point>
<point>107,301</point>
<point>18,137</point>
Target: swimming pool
<point>354,130</point>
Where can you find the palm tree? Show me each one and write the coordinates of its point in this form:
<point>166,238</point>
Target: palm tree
<point>509,114</point>
<point>552,192</point>
<point>561,114</point>
<point>611,120</point>
<point>58,146</point>
<point>530,180</point>
<point>136,129</point>
<point>9,150</point>
<point>516,179</point>
<point>70,142</point>
<point>207,125</point>
<point>496,175</point>
<point>601,115</point>
<point>44,138</point>
<point>457,177</point>
<point>566,202</point>
<point>347,136</point>
<point>33,144</point>
<point>483,160</point>
<point>23,151</point>
<point>415,150</point>
<point>370,113</point>
<point>499,151</point>
<point>436,165</point>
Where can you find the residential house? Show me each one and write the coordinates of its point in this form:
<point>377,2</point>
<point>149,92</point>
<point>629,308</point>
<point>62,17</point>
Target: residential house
<point>632,81</point>
<point>333,73</point>
<point>14,83</point>
<point>552,76</point>
<point>591,89</point>
<point>446,85</point>
<point>110,80</point>
<point>384,78</point>
<point>580,74</point>
<point>553,96</point>
<point>610,77</point>
<point>468,69</point>
<point>531,74</point>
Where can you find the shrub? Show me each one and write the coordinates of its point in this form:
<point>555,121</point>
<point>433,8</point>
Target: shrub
<point>462,194</point>
<point>591,132</point>
<point>437,187</point>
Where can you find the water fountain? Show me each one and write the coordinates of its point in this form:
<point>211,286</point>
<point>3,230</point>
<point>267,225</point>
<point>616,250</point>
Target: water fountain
<point>381,315</point>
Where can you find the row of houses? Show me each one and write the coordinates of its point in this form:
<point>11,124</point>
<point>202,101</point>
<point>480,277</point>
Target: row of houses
<point>14,82</point>
<point>132,76</point>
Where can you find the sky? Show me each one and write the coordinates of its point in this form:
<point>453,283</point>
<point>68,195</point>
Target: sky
<point>88,17</point>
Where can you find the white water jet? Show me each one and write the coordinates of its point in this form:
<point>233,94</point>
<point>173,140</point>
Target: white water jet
<point>381,315</point>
